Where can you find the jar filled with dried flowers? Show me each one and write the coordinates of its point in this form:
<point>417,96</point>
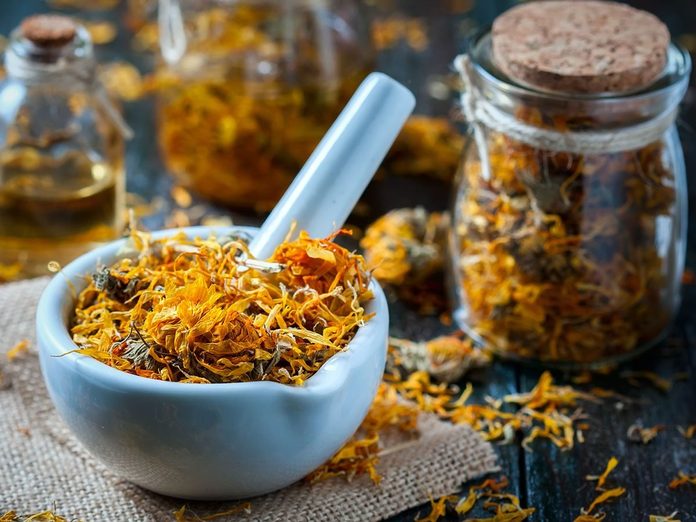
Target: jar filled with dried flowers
<point>250,87</point>
<point>570,216</point>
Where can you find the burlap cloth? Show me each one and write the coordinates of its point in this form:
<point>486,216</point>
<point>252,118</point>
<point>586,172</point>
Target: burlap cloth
<point>42,465</point>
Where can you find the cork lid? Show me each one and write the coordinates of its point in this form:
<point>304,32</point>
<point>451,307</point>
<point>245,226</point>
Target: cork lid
<point>48,30</point>
<point>584,46</point>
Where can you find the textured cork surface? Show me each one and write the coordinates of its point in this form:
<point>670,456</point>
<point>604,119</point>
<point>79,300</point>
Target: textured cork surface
<point>48,30</point>
<point>580,46</point>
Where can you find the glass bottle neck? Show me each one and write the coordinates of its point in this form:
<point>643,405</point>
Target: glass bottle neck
<point>71,62</point>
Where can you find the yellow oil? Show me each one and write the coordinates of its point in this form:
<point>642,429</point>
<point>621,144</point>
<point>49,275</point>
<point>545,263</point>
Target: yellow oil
<point>54,209</point>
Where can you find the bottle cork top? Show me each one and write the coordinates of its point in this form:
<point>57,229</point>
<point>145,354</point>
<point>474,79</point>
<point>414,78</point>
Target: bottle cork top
<point>584,46</point>
<point>48,30</point>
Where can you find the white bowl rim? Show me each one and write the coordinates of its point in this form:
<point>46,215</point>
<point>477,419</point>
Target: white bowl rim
<point>54,331</point>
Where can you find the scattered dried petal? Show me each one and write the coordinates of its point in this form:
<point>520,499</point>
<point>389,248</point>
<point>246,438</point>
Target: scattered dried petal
<point>688,432</point>
<point>613,462</point>
<point>18,350</point>
<point>101,31</point>
<point>121,80</point>
<point>604,497</point>
<point>682,479</point>
<point>438,509</point>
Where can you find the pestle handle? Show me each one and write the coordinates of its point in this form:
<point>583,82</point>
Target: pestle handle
<point>334,177</point>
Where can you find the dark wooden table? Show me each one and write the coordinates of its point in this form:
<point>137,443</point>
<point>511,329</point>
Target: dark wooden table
<point>547,479</point>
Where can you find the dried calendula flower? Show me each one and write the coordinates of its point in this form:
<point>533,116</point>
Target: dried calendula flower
<point>204,310</point>
<point>557,256</point>
<point>253,133</point>
<point>121,80</point>
<point>637,433</point>
<point>505,505</point>
<point>601,479</point>
<point>18,350</point>
<point>388,32</point>
<point>548,411</point>
<point>101,31</point>
<point>361,454</point>
<point>682,479</point>
<point>687,432</point>
<point>10,272</point>
<point>184,514</point>
<point>181,196</point>
<point>635,377</point>
<point>605,495</point>
<point>446,358</point>
<point>405,245</point>
<point>43,516</point>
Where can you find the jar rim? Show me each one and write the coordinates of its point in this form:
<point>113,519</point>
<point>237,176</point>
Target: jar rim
<point>675,75</point>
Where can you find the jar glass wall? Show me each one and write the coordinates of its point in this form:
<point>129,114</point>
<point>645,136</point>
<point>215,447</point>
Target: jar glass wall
<point>253,86</point>
<point>571,257</point>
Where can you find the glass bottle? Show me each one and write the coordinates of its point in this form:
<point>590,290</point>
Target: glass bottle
<point>570,254</point>
<point>250,87</point>
<point>61,150</point>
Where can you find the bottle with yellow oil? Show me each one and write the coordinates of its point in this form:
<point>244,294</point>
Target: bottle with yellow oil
<point>61,150</point>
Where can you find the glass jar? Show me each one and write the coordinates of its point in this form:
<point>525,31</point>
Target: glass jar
<point>61,150</point>
<point>570,214</point>
<point>250,87</point>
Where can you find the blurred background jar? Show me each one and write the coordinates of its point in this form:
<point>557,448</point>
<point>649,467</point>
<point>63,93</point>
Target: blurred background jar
<point>569,228</point>
<point>61,150</point>
<point>248,88</point>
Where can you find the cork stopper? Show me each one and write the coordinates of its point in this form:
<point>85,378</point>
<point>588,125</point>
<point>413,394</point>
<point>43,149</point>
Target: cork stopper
<point>48,30</point>
<point>584,46</point>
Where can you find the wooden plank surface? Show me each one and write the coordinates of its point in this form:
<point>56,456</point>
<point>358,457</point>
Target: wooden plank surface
<point>551,481</point>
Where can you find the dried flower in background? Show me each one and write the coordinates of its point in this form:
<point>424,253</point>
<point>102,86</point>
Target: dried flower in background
<point>121,80</point>
<point>10,272</point>
<point>687,432</point>
<point>550,247</point>
<point>406,245</point>
<point>426,146</point>
<point>388,32</point>
<point>101,31</point>
<point>637,379</point>
<point>86,5</point>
